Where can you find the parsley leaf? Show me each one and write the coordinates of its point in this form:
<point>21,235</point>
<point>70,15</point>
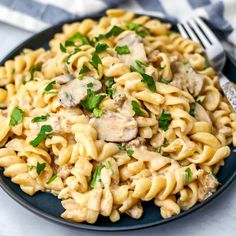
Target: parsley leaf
<point>52,179</point>
<point>69,43</point>
<point>164,81</point>
<point>42,135</point>
<point>192,108</point>
<point>62,48</point>
<point>33,69</point>
<point>164,120</point>
<point>136,108</point>
<point>97,112</point>
<point>138,69</point>
<point>96,60</point>
<point>17,117</point>
<point>121,50</point>
<point>71,54</point>
<point>110,167</point>
<point>40,118</point>
<point>139,29</point>
<point>100,47</point>
<point>147,79</point>
<point>96,176</point>
<point>84,69</point>
<point>129,151</point>
<point>188,174</point>
<point>40,167</point>
<point>80,36</point>
<point>115,31</point>
<point>140,63</point>
<point>108,82</point>
<point>49,86</point>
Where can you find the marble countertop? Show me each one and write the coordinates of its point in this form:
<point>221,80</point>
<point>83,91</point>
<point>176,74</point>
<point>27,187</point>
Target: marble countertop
<point>217,218</point>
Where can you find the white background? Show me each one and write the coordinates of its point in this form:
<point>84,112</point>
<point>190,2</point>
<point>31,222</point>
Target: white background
<point>218,218</point>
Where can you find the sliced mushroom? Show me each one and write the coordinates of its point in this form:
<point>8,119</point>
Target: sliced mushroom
<point>186,78</point>
<point>71,93</point>
<point>115,127</point>
<point>136,47</point>
<point>201,114</point>
<point>63,79</point>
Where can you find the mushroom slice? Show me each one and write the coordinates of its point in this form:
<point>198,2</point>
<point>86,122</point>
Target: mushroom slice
<point>63,79</point>
<point>201,114</point>
<point>71,93</point>
<point>186,78</point>
<point>115,127</point>
<point>136,47</point>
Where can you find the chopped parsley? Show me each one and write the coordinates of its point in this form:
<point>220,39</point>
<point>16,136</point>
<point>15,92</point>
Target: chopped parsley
<point>185,62</point>
<point>164,120</point>
<point>100,47</point>
<point>121,50</point>
<point>188,174</point>
<point>139,29</point>
<point>40,167</point>
<point>52,179</point>
<point>69,43</point>
<point>17,117</point>
<point>136,69</point>
<point>108,82</point>
<point>129,151</point>
<point>40,118</point>
<point>71,54</point>
<point>77,36</point>
<point>49,87</point>
<point>192,108</point>
<point>45,129</point>
<point>97,112</point>
<point>147,79</point>
<point>96,176</point>
<point>164,81</point>
<point>33,69</point>
<point>140,63</point>
<point>84,69</point>
<point>96,60</point>
<point>115,31</point>
<point>62,48</point>
<point>136,108</point>
<point>110,167</point>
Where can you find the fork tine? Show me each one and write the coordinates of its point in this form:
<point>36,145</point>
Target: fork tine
<point>206,29</point>
<point>182,31</point>
<point>201,36</point>
<point>190,32</point>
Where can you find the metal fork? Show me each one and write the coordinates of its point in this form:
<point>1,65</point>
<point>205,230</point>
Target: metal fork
<point>195,29</point>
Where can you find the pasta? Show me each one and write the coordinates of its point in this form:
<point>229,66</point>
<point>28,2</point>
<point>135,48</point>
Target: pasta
<point>116,112</point>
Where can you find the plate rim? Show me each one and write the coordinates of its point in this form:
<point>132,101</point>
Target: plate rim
<point>91,227</point>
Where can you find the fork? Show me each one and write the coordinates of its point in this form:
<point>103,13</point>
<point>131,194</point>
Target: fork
<point>195,29</point>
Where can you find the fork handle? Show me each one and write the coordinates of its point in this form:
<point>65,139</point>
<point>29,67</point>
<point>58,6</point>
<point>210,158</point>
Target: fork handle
<point>228,89</point>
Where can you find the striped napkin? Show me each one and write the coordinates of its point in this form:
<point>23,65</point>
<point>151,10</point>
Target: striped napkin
<point>35,15</point>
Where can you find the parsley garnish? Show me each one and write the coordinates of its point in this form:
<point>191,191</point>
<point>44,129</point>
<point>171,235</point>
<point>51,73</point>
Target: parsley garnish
<point>40,118</point>
<point>129,151</point>
<point>192,109</point>
<point>147,79</point>
<point>140,63</point>
<point>164,120</point>
<point>110,167</point>
<point>188,174</point>
<point>96,60</point>
<point>71,54</point>
<point>164,81</point>
<point>33,69</point>
<point>139,29</point>
<point>84,69</point>
<point>17,116</point>
<point>49,87</point>
<point>108,82</point>
<point>185,62</point>
<point>138,69</point>
<point>42,135</point>
<point>52,179</point>
<point>100,47</point>
<point>96,176</point>
<point>97,112</point>
<point>121,50</point>
<point>40,167</point>
<point>80,36</point>
<point>115,31</point>
<point>136,108</point>
<point>62,48</point>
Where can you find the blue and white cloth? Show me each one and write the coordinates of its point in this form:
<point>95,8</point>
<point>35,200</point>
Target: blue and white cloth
<point>35,15</point>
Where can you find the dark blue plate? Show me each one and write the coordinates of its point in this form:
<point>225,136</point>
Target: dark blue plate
<point>49,207</point>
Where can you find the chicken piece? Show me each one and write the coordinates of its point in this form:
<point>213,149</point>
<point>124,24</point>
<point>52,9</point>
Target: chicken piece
<point>207,185</point>
<point>138,142</point>
<point>136,211</point>
<point>115,127</point>
<point>71,93</point>
<point>186,78</point>
<point>136,47</point>
<point>63,79</point>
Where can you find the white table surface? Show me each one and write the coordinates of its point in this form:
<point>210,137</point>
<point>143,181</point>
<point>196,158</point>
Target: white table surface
<point>218,218</point>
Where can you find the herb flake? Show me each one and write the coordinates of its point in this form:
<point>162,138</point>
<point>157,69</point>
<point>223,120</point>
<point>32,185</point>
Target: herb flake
<point>17,117</point>
<point>121,50</point>
<point>164,120</point>
<point>96,176</point>
<point>188,174</point>
<point>45,129</point>
<point>40,167</point>
<point>136,108</point>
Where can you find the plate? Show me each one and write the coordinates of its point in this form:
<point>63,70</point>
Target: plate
<point>49,207</point>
